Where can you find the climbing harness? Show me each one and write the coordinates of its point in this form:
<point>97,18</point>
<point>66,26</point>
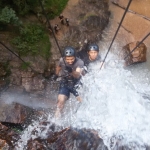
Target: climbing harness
<point>116,32</point>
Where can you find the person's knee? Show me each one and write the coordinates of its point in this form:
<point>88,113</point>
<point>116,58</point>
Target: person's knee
<point>61,101</point>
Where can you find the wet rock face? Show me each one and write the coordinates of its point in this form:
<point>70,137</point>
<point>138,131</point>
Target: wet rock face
<point>36,83</point>
<point>13,113</point>
<point>67,139</point>
<point>137,56</point>
<point>17,114</point>
<point>7,137</point>
<point>2,70</point>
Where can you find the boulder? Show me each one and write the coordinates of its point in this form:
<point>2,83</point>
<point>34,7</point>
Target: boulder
<point>65,139</point>
<point>17,114</point>
<point>13,113</point>
<point>137,56</point>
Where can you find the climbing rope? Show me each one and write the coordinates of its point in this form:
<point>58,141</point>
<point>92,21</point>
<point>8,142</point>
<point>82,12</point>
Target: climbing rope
<point>116,32</point>
<point>17,56</point>
<point>137,45</point>
<point>51,30</point>
<point>53,35</point>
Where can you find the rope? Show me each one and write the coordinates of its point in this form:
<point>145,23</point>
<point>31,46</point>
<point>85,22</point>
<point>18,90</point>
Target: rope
<point>137,45</point>
<point>17,56</point>
<point>116,32</point>
<point>52,30</point>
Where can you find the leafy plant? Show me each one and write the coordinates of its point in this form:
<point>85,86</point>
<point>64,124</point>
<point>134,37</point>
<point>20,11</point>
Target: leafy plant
<point>32,41</point>
<point>8,16</point>
<point>54,8</point>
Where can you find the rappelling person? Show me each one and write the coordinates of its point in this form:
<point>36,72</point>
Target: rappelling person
<point>61,17</point>
<point>90,55</point>
<point>71,69</point>
<point>67,21</point>
<point>56,28</point>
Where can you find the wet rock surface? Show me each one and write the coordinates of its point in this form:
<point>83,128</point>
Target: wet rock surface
<point>7,137</point>
<point>66,139</point>
<point>14,113</point>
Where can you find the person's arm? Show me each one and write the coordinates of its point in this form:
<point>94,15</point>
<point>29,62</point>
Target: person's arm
<point>58,68</point>
<point>79,70</point>
<point>77,73</point>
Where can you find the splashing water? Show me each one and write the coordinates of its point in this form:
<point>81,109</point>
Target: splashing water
<point>113,105</point>
<point>116,102</point>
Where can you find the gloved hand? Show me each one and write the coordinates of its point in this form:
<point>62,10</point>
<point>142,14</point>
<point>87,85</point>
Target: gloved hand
<point>69,69</point>
<point>54,77</point>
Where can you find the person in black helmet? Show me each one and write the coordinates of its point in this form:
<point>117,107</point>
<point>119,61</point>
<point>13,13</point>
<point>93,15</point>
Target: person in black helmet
<point>71,69</point>
<point>92,54</point>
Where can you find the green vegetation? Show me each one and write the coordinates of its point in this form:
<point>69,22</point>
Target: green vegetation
<point>7,17</point>
<point>23,7</point>
<point>54,7</point>
<point>32,40</point>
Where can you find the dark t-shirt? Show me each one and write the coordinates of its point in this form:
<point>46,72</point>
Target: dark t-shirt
<point>85,57</point>
<point>77,64</point>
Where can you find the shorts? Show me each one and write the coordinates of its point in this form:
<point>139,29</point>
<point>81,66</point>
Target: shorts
<point>64,89</point>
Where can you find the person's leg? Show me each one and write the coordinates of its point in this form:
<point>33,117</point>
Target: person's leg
<point>76,94</point>
<point>79,98</point>
<point>63,95</point>
<point>60,104</point>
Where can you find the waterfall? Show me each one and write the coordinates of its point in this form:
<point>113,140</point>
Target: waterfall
<point>116,99</point>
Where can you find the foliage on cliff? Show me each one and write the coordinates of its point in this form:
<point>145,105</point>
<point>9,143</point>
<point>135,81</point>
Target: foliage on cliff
<point>29,38</point>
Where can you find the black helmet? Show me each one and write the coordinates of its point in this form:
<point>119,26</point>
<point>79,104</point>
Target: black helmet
<point>93,47</point>
<point>69,51</point>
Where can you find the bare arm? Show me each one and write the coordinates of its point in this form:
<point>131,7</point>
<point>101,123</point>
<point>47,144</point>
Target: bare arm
<point>77,73</point>
<point>58,68</point>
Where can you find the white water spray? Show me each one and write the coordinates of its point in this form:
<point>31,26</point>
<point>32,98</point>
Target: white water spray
<point>114,105</point>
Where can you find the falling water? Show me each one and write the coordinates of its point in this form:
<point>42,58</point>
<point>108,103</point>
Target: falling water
<point>114,104</point>
<point>116,100</point>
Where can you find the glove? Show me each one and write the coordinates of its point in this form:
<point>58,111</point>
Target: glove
<point>54,77</point>
<point>69,69</point>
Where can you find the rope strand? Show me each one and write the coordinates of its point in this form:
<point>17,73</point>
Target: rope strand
<point>52,30</point>
<point>137,45</point>
<point>17,56</point>
<point>116,32</point>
